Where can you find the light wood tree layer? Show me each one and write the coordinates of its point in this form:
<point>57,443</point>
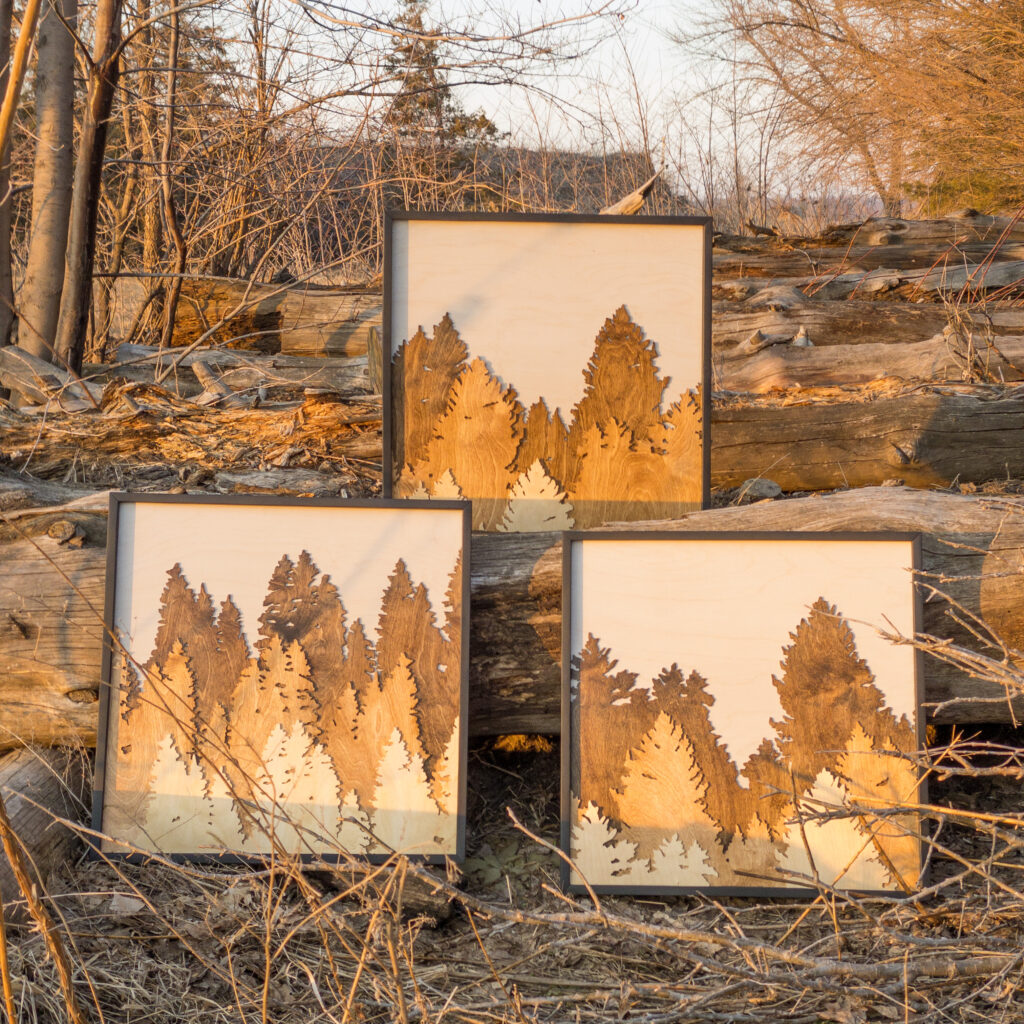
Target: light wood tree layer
<point>51,595</point>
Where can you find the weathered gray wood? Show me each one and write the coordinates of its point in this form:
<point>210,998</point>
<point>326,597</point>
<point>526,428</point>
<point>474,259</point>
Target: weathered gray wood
<point>40,381</point>
<point>51,624</point>
<point>783,362</point>
<point>237,370</point>
<point>821,440</point>
<point>749,257</point>
<point>850,322</point>
<point>1006,278</point>
<point>50,637</point>
<point>37,786</point>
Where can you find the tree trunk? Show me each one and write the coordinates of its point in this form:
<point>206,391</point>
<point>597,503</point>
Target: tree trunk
<point>77,295</point>
<point>173,289</point>
<point>6,279</point>
<point>40,295</point>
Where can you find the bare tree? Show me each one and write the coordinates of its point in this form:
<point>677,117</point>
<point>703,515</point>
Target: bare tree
<point>39,300</point>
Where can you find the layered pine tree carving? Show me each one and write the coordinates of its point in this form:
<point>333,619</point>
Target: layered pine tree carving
<point>657,800</point>
<point>317,738</point>
<point>460,432</point>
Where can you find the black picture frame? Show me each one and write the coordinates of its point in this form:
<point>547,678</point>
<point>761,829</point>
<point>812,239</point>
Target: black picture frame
<point>573,537</point>
<point>108,700</point>
<point>387,347</point>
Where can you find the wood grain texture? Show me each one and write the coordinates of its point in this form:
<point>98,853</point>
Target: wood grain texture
<point>666,785</point>
<point>423,372</point>
<point>620,457</point>
<point>211,748</point>
<point>300,320</point>
<point>476,439</point>
<point>37,786</point>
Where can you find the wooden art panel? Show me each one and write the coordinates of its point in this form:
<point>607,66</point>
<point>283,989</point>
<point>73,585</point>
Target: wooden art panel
<point>554,369</point>
<point>733,719</point>
<point>287,676</point>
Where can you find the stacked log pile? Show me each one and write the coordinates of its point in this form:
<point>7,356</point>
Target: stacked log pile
<point>884,354</point>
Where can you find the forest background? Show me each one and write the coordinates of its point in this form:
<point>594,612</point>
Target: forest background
<point>150,142</point>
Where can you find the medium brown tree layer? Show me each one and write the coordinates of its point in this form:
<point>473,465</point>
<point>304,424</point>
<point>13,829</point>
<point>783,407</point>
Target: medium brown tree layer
<point>51,599</point>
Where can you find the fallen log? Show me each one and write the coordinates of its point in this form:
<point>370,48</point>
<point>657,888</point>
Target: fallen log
<point>51,601</point>
<point>42,382</point>
<point>850,322</point>
<point>973,550</point>
<point>37,786</point>
<point>1006,278</point>
<point>823,439</point>
<point>786,361</point>
<point>295,320</point>
<point>748,257</point>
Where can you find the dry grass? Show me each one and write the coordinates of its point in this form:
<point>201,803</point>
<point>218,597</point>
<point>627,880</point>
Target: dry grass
<point>161,942</point>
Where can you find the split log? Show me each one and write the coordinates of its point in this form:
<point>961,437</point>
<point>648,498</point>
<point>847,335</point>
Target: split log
<point>38,786</point>
<point>51,596</point>
<point>166,436</point>
<point>781,361</point>
<point>42,382</point>
<point>820,440</point>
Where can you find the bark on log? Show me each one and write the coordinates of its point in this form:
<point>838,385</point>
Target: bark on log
<point>51,597</point>
<point>38,785</point>
<point>822,440</point>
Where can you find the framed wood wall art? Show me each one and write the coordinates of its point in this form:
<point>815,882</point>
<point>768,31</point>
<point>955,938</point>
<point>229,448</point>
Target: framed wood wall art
<point>721,694</point>
<point>289,675</point>
<point>553,368</point>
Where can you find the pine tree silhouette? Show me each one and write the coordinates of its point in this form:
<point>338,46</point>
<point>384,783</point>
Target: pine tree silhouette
<point>663,792</point>
<point>687,703</point>
<point>621,382</point>
<point>407,629</point>
<point>476,439</point>
<point>825,690</point>
<point>771,788</point>
<point>361,664</point>
<point>545,438</point>
<point>611,717</point>
<point>422,372</point>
